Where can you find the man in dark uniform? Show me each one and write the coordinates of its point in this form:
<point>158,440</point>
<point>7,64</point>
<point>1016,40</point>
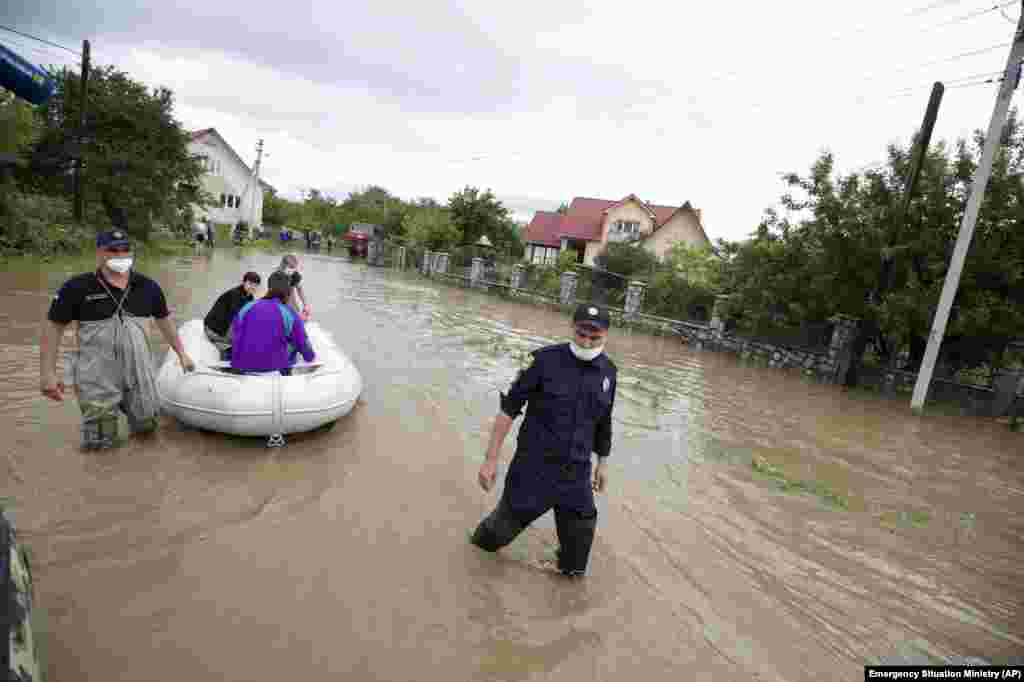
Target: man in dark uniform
<point>112,366</point>
<point>570,389</point>
<point>217,322</point>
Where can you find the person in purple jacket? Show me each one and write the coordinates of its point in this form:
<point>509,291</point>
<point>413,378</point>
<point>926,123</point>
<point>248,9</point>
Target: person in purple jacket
<point>268,334</point>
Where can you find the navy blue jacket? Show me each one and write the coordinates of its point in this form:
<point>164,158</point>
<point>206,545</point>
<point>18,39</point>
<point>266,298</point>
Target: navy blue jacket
<point>570,405</point>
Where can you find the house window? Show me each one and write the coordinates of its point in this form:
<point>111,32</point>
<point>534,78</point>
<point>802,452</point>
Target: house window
<point>627,227</point>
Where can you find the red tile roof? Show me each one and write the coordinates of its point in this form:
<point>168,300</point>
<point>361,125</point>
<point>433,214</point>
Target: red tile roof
<point>548,228</point>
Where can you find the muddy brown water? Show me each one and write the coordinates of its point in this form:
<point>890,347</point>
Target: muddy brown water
<point>195,556</point>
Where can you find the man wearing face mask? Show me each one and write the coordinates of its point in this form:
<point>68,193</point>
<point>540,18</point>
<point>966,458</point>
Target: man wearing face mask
<point>570,392</point>
<point>217,323</point>
<point>290,266</point>
<point>112,367</point>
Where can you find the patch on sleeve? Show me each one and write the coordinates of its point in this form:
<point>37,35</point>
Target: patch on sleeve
<point>606,384</point>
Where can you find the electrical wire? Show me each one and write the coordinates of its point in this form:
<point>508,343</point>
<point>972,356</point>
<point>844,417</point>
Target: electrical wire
<point>41,56</point>
<point>41,40</point>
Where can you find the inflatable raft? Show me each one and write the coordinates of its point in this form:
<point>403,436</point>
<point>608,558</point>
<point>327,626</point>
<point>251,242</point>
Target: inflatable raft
<point>269,404</point>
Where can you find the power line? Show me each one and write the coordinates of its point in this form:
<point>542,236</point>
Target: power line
<point>41,54</point>
<point>931,6</point>
<point>956,57</point>
<point>843,35</point>
<point>971,15</point>
<point>41,40</point>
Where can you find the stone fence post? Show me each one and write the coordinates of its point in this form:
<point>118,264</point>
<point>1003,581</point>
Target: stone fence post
<point>840,350</point>
<point>400,258</point>
<point>567,295</point>
<point>1006,383</point>
<point>476,273</point>
<point>374,252</point>
<point>635,297</point>
<point>518,277</point>
<point>441,263</point>
<point>718,317</point>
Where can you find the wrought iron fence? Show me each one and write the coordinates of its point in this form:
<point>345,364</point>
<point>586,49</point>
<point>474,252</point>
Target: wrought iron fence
<point>606,288</point>
<point>812,335</point>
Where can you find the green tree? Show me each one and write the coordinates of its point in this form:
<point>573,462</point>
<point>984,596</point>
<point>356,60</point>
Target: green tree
<point>432,228</point>
<point>626,258</point>
<point>18,123</point>
<point>278,210</point>
<point>699,265</point>
<point>477,214</point>
<point>135,154</point>
<point>827,259</point>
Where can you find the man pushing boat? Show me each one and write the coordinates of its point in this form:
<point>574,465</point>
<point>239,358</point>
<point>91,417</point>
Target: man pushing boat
<point>111,367</point>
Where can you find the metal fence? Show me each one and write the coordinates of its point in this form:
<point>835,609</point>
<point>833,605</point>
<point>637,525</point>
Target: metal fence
<point>810,335</point>
<point>594,285</point>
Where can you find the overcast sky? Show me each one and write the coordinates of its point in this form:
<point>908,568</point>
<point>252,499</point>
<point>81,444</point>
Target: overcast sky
<point>542,101</point>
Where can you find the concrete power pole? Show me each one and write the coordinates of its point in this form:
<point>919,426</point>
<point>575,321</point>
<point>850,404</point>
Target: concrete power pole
<point>1011,76</point>
<point>253,193</point>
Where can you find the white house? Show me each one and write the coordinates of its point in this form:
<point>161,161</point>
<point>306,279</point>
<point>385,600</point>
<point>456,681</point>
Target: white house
<point>235,187</point>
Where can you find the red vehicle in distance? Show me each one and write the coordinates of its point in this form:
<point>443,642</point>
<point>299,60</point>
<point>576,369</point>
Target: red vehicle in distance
<point>359,235</point>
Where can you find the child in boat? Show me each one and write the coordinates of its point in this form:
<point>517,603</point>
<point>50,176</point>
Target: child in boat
<point>267,334</point>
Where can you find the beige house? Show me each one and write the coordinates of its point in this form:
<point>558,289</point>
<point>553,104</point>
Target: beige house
<point>590,224</point>
<point>235,187</point>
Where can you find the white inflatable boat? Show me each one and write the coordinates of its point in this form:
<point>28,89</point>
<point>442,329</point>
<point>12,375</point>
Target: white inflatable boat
<point>266,404</point>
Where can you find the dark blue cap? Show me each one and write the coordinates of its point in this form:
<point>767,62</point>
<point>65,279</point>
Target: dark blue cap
<point>591,314</point>
<point>112,239</point>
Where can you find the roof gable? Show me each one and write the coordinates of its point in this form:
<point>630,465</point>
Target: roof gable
<point>198,136</point>
<point>585,216</point>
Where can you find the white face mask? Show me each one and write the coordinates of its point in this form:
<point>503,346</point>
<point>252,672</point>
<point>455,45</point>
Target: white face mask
<point>121,265</point>
<point>586,354</point>
<point>289,271</point>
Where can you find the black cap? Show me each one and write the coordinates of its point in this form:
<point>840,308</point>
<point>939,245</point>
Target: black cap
<point>112,238</point>
<point>279,280</point>
<point>589,313</point>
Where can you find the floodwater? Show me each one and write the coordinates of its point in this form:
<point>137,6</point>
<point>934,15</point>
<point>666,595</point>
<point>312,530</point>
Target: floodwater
<point>194,556</point>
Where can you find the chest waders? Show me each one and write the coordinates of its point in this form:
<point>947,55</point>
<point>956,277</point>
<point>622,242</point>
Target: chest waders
<point>113,371</point>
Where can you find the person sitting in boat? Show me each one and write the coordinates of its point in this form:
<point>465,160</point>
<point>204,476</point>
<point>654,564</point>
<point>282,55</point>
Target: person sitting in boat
<point>267,335</point>
<point>218,321</point>
<point>290,267</point>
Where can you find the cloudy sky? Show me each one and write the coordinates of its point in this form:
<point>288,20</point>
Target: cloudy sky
<point>542,101</point>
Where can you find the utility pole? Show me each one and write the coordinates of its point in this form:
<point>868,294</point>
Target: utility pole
<point>79,191</point>
<point>869,328</point>
<point>252,187</point>
<point>1011,76</point>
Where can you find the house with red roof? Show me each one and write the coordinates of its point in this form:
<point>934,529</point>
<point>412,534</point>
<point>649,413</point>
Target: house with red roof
<point>590,224</point>
<point>235,187</point>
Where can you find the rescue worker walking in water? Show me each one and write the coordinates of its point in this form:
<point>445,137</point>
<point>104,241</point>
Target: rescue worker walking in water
<point>570,392</point>
<point>112,368</point>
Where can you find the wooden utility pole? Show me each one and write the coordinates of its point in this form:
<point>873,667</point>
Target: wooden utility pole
<point>898,227</point>
<point>1011,76</point>
<point>79,191</point>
